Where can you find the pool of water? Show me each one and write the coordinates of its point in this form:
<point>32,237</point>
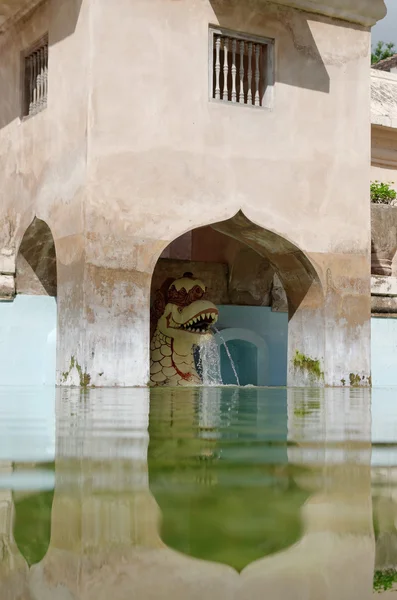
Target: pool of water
<point>237,493</point>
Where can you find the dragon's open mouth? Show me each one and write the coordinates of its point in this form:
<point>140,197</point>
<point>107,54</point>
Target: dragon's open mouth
<point>201,322</point>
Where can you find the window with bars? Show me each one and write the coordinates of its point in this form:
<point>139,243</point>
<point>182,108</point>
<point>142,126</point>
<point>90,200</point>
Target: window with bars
<point>35,64</point>
<point>241,68</point>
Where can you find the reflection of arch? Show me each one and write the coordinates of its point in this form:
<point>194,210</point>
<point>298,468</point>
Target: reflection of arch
<point>236,333</point>
<point>36,261</point>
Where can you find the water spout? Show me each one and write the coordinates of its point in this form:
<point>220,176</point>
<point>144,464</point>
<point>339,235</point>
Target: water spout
<point>209,361</point>
<point>228,354</point>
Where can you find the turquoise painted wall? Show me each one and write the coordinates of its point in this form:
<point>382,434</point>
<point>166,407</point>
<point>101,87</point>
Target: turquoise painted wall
<point>28,341</point>
<point>272,327</point>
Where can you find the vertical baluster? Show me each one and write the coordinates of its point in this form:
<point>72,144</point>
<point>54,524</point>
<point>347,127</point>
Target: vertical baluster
<point>217,67</point>
<point>234,71</point>
<point>42,77</point>
<point>257,55</point>
<point>34,60</point>
<point>45,74</point>
<point>31,84</point>
<point>38,84</point>
<point>249,93</point>
<point>225,69</point>
<point>241,96</point>
<point>41,82</point>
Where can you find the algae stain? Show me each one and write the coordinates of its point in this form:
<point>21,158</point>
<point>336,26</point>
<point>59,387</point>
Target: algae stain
<point>304,409</point>
<point>355,379</point>
<point>84,377</point>
<point>309,365</point>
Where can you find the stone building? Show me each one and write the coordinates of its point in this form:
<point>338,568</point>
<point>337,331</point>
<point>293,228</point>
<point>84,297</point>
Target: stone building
<point>384,223</point>
<point>236,130</point>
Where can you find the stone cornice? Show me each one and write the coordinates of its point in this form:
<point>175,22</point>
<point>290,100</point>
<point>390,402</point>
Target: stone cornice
<point>362,12</point>
<point>12,11</point>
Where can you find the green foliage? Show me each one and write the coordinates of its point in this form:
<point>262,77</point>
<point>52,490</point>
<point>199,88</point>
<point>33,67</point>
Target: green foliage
<point>382,193</point>
<point>382,51</point>
<point>384,580</point>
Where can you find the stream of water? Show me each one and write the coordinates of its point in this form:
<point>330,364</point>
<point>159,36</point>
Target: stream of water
<point>228,355</point>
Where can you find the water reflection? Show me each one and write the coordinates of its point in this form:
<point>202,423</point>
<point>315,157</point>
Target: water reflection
<point>221,492</point>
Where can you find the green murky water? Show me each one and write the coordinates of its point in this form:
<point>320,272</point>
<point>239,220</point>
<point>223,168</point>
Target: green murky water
<point>222,492</point>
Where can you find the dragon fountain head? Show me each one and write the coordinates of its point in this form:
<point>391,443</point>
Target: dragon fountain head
<point>179,318</point>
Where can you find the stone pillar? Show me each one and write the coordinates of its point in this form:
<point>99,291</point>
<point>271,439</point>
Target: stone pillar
<point>347,320</point>
<point>104,313</point>
<point>329,334</point>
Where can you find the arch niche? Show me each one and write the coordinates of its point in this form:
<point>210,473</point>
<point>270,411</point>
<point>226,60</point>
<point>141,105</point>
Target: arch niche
<point>35,309</point>
<point>263,252</point>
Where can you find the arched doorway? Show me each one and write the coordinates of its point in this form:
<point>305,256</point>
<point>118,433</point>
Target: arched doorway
<point>28,324</point>
<point>250,356</point>
<point>262,283</point>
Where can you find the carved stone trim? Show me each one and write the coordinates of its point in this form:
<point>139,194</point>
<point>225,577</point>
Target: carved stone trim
<point>7,287</point>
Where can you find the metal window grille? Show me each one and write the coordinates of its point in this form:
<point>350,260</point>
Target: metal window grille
<point>241,68</point>
<point>35,78</point>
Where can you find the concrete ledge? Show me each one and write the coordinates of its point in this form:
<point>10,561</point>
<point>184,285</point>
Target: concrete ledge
<point>7,287</point>
<point>383,286</point>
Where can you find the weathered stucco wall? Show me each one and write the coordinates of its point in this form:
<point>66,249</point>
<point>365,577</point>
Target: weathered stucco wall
<point>130,154</point>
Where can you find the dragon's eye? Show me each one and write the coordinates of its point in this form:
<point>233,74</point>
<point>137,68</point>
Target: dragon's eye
<point>180,309</point>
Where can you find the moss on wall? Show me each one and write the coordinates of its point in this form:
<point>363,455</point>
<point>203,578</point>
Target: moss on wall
<point>308,365</point>
<point>84,377</point>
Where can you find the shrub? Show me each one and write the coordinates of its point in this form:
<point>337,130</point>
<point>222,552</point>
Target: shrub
<point>382,193</point>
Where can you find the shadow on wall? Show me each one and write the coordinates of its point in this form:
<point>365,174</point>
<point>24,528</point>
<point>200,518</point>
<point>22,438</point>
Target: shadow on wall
<point>57,18</point>
<point>294,39</point>
<point>36,272</point>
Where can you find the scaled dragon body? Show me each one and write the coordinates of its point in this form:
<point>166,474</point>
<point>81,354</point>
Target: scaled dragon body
<point>180,316</point>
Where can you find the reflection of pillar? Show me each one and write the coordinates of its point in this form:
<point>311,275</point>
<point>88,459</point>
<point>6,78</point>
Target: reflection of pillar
<point>329,435</point>
<point>13,567</point>
<point>105,538</point>
<point>384,477</point>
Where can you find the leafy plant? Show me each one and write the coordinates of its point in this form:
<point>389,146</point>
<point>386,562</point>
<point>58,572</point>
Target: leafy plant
<point>384,580</point>
<point>382,193</point>
<point>382,51</point>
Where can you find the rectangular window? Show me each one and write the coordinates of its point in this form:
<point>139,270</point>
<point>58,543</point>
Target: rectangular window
<point>241,68</point>
<point>35,81</point>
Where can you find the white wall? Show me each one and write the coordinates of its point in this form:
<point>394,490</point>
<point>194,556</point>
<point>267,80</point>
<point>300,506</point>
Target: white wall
<point>384,351</point>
